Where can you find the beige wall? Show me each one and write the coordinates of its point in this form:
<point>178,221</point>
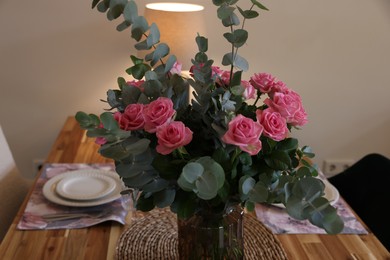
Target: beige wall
<point>59,57</point>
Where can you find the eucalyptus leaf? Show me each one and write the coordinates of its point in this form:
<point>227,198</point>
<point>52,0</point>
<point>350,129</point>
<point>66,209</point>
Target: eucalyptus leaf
<point>130,12</point>
<point>109,121</point>
<point>160,52</point>
<point>247,185</point>
<point>156,185</point>
<point>225,11</point>
<point>258,4</point>
<point>138,71</point>
<point>164,198</point>
<point>278,160</point>
<point>139,27</point>
<point>142,45</point>
<point>123,26</point>
<point>154,35</point>
<point>113,151</point>
<point>103,6</point>
<point>184,184</point>
<point>145,203</point>
<point>202,43</point>
<point>232,20</point>
<point>218,2</point>
<point>207,186</point>
<point>235,60</point>
<point>192,171</point>
<point>152,88</point>
<point>87,121</point>
<point>259,193</point>
<point>237,38</point>
<point>140,180</point>
<point>248,14</point>
<point>116,9</point>
<point>308,152</point>
<point>130,170</point>
<point>137,147</point>
<point>170,62</point>
<point>130,94</point>
<point>94,3</point>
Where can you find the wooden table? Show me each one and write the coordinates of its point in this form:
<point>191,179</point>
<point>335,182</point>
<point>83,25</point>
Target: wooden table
<point>99,242</point>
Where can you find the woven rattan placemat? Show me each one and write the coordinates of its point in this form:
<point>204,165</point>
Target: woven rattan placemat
<point>155,237</point>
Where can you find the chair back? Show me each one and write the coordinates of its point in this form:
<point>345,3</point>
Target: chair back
<point>365,187</point>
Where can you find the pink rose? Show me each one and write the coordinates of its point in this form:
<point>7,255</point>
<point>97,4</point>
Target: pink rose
<point>133,117</point>
<point>263,82</point>
<point>136,83</point>
<point>224,77</point>
<point>157,113</point>
<point>245,133</point>
<point>289,105</point>
<point>176,68</point>
<point>121,120</point>
<point>275,126</point>
<point>100,140</point>
<point>215,70</point>
<point>280,86</point>
<point>172,136</point>
<point>300,118</point>
<point>250,91</point>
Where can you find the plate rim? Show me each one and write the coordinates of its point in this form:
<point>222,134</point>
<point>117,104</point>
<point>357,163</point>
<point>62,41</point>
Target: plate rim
<point>110,186</point>
<point>48,190</point>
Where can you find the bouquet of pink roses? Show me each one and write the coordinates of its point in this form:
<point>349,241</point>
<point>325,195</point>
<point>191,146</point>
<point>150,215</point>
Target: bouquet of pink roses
<point>229,143</point>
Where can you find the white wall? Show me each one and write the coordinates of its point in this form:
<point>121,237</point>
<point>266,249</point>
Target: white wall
<point>59,57</point>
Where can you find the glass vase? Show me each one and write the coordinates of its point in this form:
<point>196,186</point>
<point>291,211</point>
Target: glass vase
<point>212,235</point>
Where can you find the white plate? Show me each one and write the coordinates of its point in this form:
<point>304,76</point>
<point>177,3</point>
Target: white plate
<point>85,186</point>
<point>331,193</point>
<point>49,189</point>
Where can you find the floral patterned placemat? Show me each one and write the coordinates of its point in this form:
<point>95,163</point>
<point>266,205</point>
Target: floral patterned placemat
<point>38,205</point>
<point>276,219</point>
<point>280,222</point>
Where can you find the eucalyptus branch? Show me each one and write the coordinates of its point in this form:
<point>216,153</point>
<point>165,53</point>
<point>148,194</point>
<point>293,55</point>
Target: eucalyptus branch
<point>154,47</point>
<point>257,98</point>
<point>243,21</point>
<point>233,55</point>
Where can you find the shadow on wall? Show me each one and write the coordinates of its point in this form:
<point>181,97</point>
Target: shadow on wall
<point>368,141</point>
<point>54,76</point>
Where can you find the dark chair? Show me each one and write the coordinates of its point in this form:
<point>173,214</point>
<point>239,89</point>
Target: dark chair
<point>365,186</point>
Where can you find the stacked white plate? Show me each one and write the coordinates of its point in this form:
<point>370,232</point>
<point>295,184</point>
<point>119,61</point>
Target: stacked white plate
<point>83,188</point>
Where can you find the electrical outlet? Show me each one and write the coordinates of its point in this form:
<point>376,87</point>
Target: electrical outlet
<point>335,166</point>
<point>37,165</point>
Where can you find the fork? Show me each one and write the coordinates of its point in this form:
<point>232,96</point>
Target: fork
<point>65,216</point>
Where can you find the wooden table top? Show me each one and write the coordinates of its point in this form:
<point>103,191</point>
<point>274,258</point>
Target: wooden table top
<point>99,242</point>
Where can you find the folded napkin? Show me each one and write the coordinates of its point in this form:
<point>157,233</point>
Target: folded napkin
<point>38,205</point>
<point>277,219</point>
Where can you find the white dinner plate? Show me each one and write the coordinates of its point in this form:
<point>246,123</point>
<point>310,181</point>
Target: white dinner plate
<point>50,189</point>
<point>331,193</point>
<point>85,186</point>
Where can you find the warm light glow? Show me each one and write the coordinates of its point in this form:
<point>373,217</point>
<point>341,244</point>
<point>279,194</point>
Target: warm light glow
<point>175,7</point>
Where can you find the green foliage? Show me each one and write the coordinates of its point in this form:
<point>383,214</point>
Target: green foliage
<point>206,174</point>
<point>204,177</point>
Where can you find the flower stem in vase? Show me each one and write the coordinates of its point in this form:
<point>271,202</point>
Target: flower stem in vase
<point>212,236</point>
